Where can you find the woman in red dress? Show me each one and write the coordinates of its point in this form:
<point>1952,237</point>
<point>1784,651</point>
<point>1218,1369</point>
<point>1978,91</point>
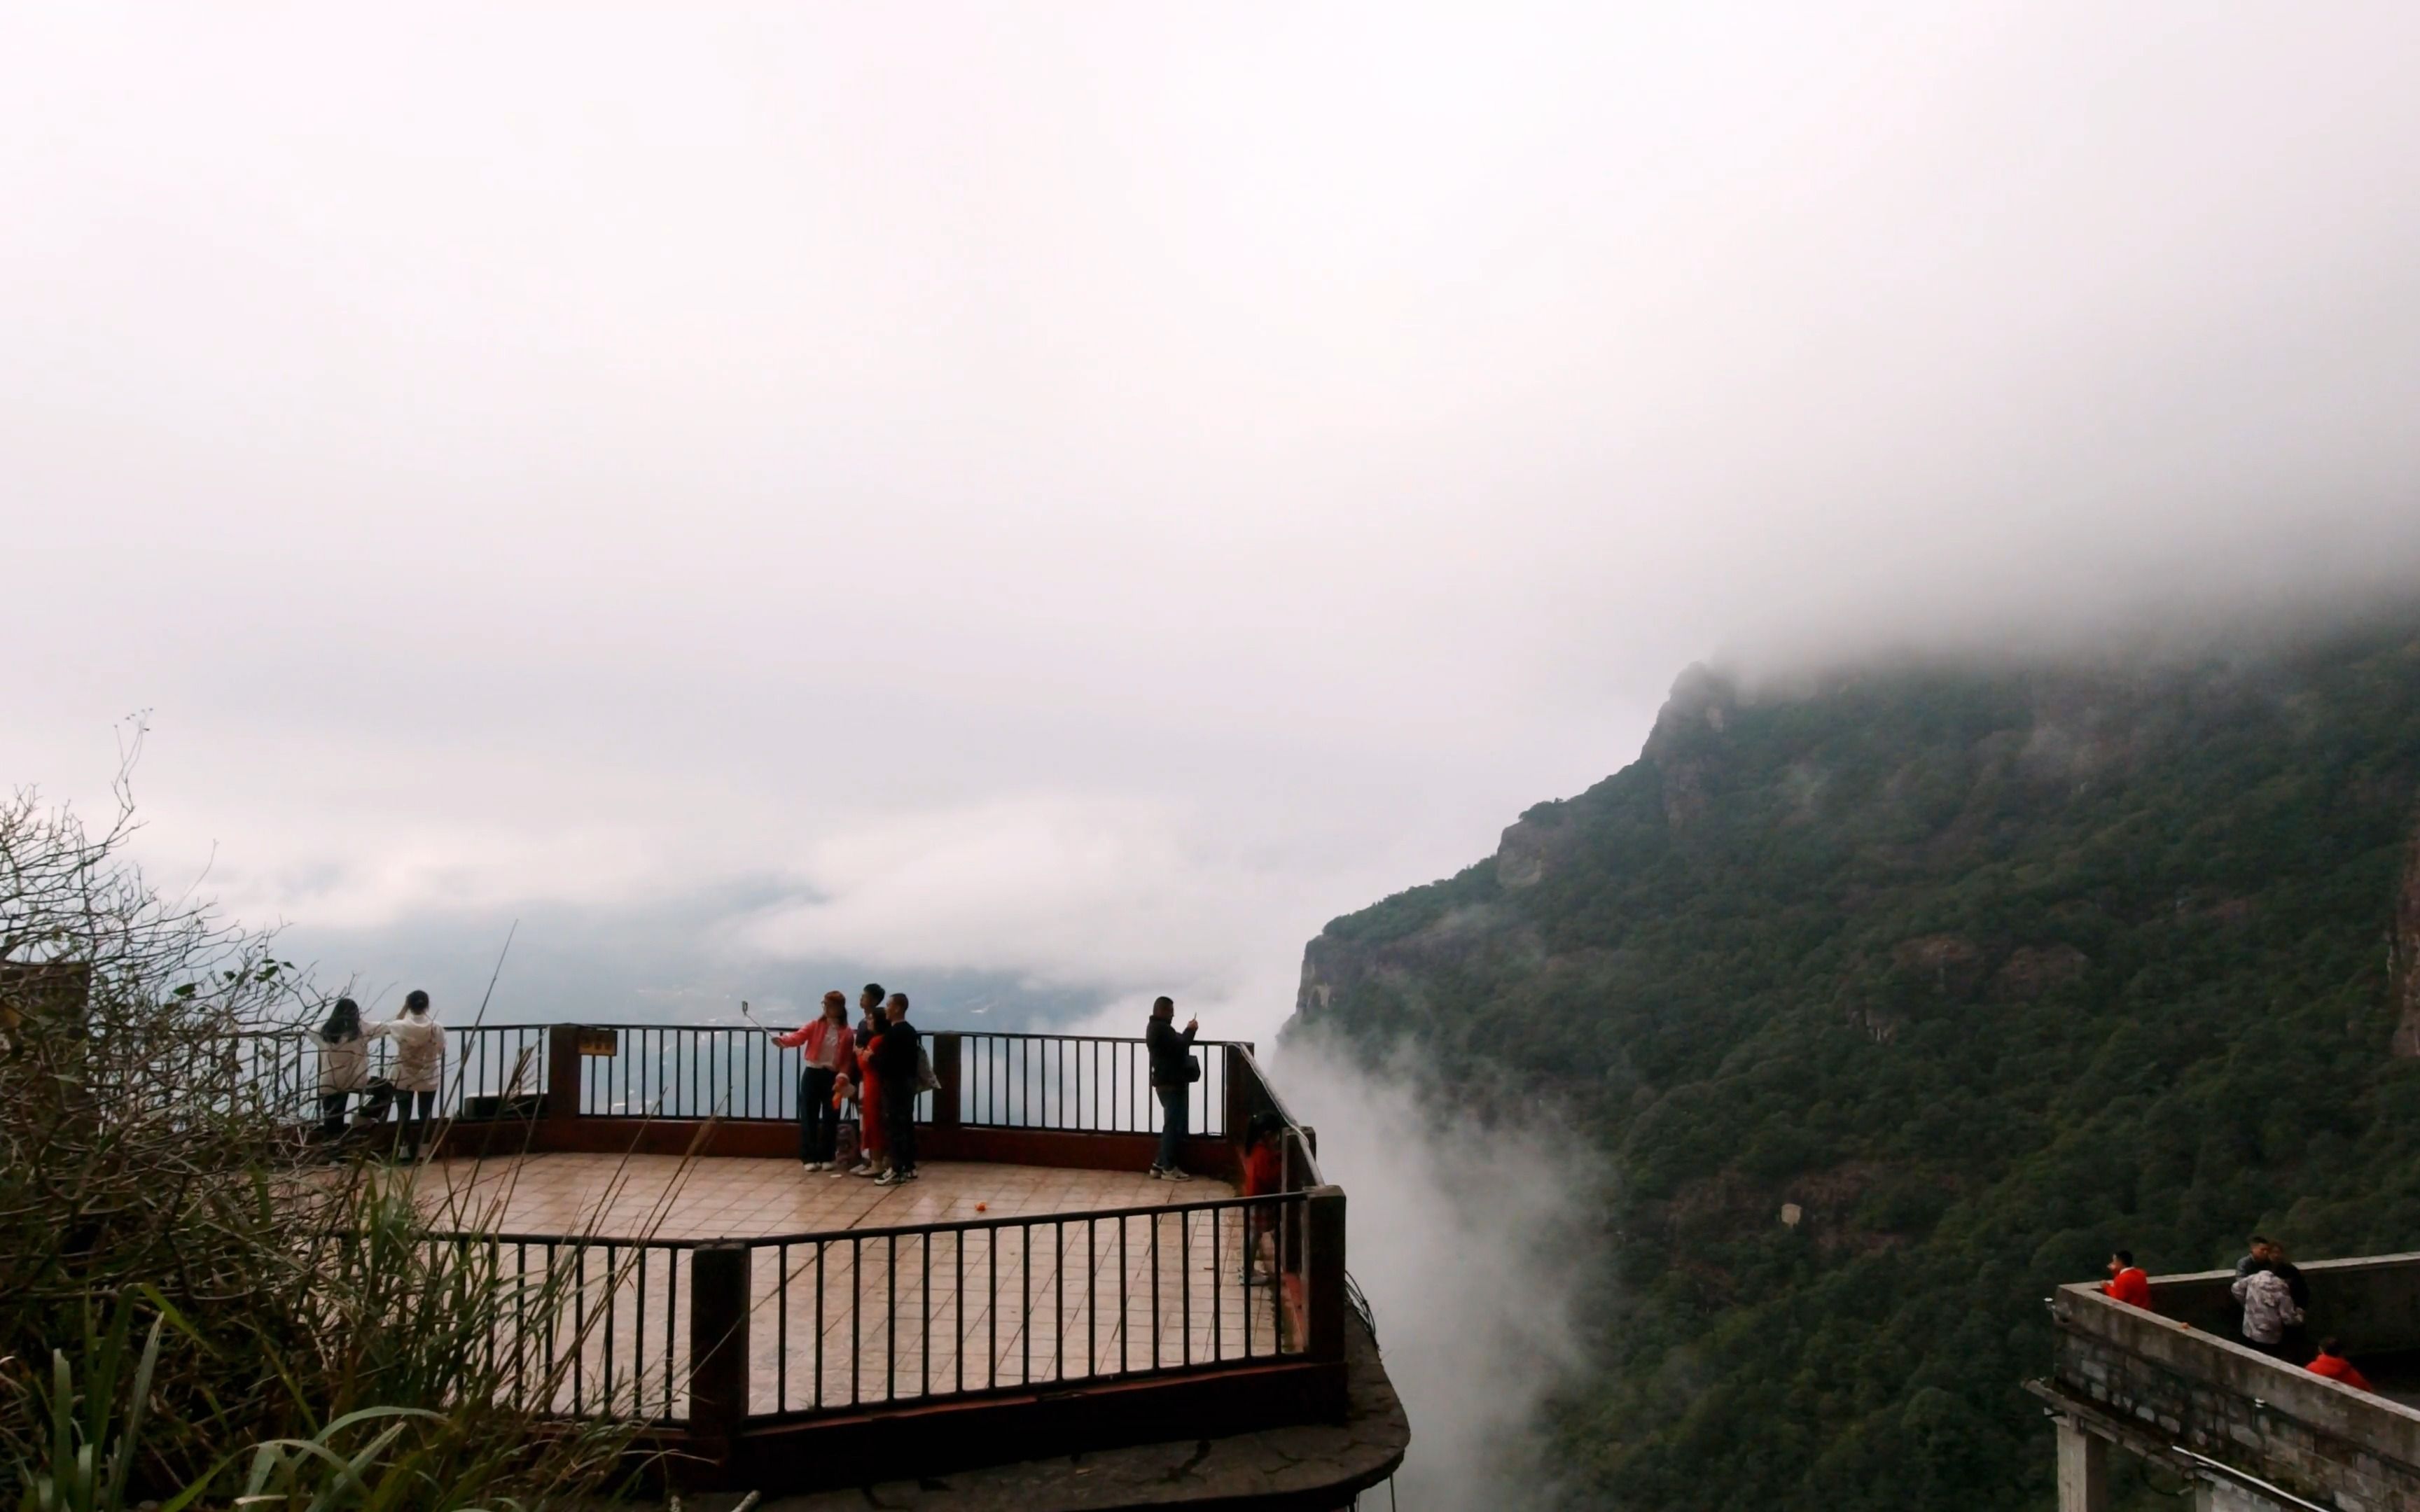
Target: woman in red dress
<point>874,1160</point>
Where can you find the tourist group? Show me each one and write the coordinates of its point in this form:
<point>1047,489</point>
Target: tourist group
<point>2274,1300</point>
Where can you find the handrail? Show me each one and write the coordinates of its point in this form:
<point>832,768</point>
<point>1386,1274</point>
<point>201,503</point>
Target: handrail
<point>1299,1148</point>
<point>2248,1481</point>
<point>822,1236</point>
<point>992,1078</point>
<point>306,1030</point>
<point>955,1225</point>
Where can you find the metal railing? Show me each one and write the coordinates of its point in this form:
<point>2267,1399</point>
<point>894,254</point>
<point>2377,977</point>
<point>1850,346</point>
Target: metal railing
<point>282,1068</point>
<point>931,1311</point>
<point>662,1070</point>
<point>708,1335</point>
<point>1090,1084</point>
<point>844,1321</point>
<point>580,1327</point>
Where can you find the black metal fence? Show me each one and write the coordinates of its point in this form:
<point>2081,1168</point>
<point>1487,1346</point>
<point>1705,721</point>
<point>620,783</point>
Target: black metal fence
<point>580,1327</point>
<point>1084,1083</point>
<point>695,1071</point>
<point>684,1332</point>
<point>1069,1083</point>
<point>283,1069</point>
<point>930,1311</point>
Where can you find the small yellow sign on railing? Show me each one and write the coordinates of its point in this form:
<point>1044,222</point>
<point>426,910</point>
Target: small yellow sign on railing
<point>600,1042</point>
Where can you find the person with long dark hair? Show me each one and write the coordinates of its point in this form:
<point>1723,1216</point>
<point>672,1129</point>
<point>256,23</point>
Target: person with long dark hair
<point>826,1055</point>
<point>344,1062</point>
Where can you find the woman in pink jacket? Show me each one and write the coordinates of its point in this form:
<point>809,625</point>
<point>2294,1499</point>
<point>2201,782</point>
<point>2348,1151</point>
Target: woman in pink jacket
<point>827,1052</point>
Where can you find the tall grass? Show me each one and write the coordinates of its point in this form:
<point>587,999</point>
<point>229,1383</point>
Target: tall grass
<point>305,1341</point>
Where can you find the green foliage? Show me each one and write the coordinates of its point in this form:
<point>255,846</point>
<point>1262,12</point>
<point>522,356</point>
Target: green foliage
<point>313,1341</point>
<point>1990,972</point>
<point>90,1454</point>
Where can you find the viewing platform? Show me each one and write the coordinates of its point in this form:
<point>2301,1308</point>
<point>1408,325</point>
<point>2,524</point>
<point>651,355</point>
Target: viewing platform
<point>1035,1295</point>
<point>2248,1433</point>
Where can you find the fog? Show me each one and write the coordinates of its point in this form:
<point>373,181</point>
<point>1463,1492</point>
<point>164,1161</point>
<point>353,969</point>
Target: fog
<point>1052,507</point>
<point>1474,1235</point>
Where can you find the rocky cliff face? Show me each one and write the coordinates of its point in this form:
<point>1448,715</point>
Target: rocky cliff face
<point>1896,1000</point>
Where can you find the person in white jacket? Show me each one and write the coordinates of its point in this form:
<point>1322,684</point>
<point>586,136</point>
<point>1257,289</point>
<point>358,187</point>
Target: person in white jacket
<point>2269,1310</point>
<point>344,1062</point>
<point>419,1066</point>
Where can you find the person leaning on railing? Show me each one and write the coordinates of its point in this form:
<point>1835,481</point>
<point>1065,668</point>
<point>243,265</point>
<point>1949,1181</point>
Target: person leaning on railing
<point>1173,1071</point>
<point>1263,1176</point>
<point>344,1063</point>
<point>827,1051</point>
<point>419,1065</point>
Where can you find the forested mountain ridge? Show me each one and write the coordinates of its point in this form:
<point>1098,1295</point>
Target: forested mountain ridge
<point>1987,972</point>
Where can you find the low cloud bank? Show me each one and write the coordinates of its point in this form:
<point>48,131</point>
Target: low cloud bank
<point>1475,1233</point>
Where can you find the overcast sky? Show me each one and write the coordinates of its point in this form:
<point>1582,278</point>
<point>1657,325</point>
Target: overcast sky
<point>1062,501</point>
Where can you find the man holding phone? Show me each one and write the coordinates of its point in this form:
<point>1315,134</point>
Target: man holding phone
<point>1173,1071</point>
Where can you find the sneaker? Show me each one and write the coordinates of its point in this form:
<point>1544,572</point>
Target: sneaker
<point>1153,1173</point>
<point>912,1174</point>
<point>868,1170</point>
<point>1169,1173</point>
<point>893,1179</point>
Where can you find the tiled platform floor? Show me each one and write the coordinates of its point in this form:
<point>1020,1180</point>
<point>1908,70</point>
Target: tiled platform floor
<point>667,1197</point>
<point>886,1317</point>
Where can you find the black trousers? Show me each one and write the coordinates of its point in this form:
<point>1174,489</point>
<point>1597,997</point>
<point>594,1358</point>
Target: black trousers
<point>331,1111</point>
<point>899,1124</point>
<point>818,1121</point>
<point>410,1128</point>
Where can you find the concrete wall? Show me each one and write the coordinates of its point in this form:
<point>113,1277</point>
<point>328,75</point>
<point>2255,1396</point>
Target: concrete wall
<point>2373,1302</point>
<point>2177,1382</point>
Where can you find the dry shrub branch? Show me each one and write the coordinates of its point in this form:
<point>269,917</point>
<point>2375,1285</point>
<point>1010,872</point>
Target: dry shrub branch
<point>150,1177</point>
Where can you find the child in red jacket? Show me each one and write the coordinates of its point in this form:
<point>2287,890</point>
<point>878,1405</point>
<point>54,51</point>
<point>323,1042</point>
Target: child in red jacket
<point>2333,1364</point>
<point>1263,1176</point>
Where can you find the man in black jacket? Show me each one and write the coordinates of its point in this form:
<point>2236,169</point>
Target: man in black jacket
<point>896,1059</point>
<point>1171,1077</point>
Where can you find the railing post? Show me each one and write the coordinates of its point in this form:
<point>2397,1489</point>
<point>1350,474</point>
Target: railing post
<point>1240,1113</point>
<point>562,1070</point>
<point>718,1348</point>
<point>947,1110</point>
<point>1324,1286</point>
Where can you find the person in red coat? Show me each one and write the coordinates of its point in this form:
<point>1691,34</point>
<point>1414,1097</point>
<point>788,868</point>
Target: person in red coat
<point>2127,1281</point>
<point>873,1158</point>
<point>2333,1364</point>
<point>1263,1176</point>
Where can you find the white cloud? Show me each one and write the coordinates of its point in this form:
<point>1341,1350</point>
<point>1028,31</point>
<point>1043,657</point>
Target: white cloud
<point>1127,896</point>
<point>1096,499</point>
